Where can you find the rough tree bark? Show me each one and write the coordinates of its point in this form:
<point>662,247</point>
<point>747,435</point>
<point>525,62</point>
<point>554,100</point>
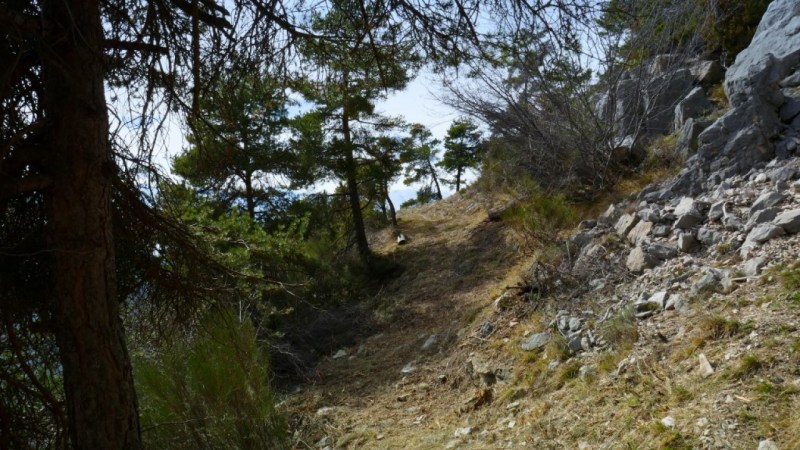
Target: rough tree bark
<point>432,171</point>
<point>98,381</point>
<point>392,210</point>
<point>351,178</point>
<point>352,193</point>
<point>249,194</point>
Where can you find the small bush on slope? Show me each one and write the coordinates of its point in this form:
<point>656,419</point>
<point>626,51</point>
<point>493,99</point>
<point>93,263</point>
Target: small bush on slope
<point>210,391</point>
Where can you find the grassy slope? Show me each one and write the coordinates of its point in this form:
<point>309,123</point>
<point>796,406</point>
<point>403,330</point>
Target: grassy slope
<point>456,265</point>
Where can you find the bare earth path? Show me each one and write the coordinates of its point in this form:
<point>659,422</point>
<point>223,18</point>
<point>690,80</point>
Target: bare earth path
<point>456,263</point>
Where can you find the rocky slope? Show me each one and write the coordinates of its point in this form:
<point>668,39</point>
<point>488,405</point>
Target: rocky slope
<point>671,321</point>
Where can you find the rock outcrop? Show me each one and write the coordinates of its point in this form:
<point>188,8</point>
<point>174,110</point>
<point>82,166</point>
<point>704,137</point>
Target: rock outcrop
<point>763,120</point>
<point>735,198</point>
<point>657,99</point>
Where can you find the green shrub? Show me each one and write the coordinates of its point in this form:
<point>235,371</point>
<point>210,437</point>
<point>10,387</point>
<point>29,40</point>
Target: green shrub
<point>621,331</point>
<point>716,327</point>
<point>210,390</point>
<point>749,365</point>
<point>542,214</point>
<point>790,280</point>
<point>729,26</point>
<point>662,154</point>
<point>717,95</point>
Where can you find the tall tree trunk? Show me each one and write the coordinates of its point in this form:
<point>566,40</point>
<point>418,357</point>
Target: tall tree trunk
<point>382,205</point>
<point>435,179</point>
<point>249,195</point>
<point>98,381</point>
<point>351,178</point>
<point>458,179</point>
<point>355,206</point>
<point>392,210</point>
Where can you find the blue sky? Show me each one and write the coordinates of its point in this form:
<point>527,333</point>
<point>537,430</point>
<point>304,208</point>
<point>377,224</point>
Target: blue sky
<point>416,104</point>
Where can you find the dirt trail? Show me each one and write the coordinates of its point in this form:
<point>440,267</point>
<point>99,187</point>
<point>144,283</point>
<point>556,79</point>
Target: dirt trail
<point>646,389</point>
<point>455,263</point>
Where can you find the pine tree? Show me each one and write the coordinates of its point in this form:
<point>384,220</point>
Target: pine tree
<point>463,149</point>
<point>237,146</point>
<point>365,59</point>
<point>419,155</point>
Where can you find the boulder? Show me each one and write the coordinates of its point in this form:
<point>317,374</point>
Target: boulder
<point>789,221</point>
<point>766,200</point>
<point>575,343</point>
<point>628,108</point>
<point>790,110</point>
<point>717,210</point>
<point>659,298</point>
<point>486,329</point>
<point>429,343</point>
<point>762,216</point>
<point>788,145</point>
<point>707,282</point>
<point>580,239</point>
<point>611,215</point>
<point>688,221</point>
<point>650,214</point>
<point>685,205</point>
<point>753,266</point>
<point>771,56</point>
<point>705,368</point>
<point>712,280</point>
<point>694,105</point>
<point>640,232</point>
<point>707,73</point>
<point>480,369</point>
<point>767,444</point>
<point>687,242</point>
<point>743,136</point>
<point>562,322</point>
<point>688,213</point>
<point>627,149</point>
<point>625,224</point>
<point>661,96</point>
<point>662,231</point>
<point>764,232</point>
<point>782,174</point>
<point>535,341</point>
<point>660,251</point>
<point>675,301</point>
<point>732,223</point>
<point>687,136</point>
<point>638,260</point>
<point>661,64</point>
<point>688,182</point>
<point>791,81</point>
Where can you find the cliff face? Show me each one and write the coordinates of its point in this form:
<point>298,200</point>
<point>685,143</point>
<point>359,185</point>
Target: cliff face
<point>734,196</point>
<point>762,124</point>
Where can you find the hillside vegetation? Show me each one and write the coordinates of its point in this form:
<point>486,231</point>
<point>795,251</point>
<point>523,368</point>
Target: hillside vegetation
<point>412,385</point>
<point>621,275</point>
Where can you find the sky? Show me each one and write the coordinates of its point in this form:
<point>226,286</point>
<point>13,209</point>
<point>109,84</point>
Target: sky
<point>417,104</point>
